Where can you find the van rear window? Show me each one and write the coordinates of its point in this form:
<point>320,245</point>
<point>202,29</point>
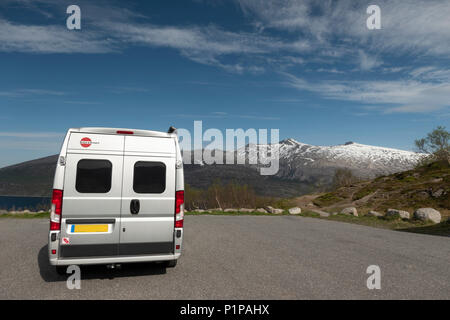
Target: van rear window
<point>149,177</point>
<point>93,176</point>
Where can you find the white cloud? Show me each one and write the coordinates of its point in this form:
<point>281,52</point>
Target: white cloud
<point>207,45</point>
<point>324,33</point>
<point>367,62</point>
<point>431,73</point>
<point>51,39</point>
<point>31,134</point>
<point>223,115</point>
<point>408,26</point>
<point>331,30</point>
<point>398,96</point>
<point>29,92</point>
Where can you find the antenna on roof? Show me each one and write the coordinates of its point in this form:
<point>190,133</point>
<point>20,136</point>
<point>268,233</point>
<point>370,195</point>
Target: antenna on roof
<point>171,129</point>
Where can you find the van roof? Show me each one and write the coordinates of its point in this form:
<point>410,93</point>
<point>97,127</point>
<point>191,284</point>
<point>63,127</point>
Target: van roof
<point>135,132</point>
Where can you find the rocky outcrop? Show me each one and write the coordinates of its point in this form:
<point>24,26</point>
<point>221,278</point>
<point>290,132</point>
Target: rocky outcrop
<point>274,210</point>
<point>295,210</point>
<point>321,213</point>
<point>350,211</point>
<point>393,212</point>
<point>374,214</point>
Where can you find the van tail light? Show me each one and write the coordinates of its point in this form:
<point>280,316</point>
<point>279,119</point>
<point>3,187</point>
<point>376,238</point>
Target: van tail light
<point>124,132</point>
<point>179,209</point>
<point>55,215</point>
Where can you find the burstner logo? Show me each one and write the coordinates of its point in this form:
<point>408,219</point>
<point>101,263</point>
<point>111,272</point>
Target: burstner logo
<point>86,142</point>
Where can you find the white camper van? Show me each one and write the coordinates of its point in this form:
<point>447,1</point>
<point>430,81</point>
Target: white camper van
<point>118,197</point>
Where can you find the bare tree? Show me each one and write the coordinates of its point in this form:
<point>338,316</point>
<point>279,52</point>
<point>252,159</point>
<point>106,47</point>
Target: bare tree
<point>436,143</point>
<point>343,177</point>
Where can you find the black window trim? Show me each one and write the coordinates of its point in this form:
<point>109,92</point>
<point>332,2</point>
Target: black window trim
<point>92,159</point>
<point>165,176</point>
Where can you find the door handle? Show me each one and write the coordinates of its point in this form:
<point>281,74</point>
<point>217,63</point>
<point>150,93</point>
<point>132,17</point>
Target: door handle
<point>135,206</point>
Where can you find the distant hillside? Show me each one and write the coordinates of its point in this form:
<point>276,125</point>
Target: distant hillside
<point>427,186</point>
<point>31,178</point>
<point>35,178</point>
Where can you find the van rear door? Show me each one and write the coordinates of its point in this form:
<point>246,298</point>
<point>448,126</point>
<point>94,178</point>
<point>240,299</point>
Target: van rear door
<point>92,195</point>
<point>148,196</point>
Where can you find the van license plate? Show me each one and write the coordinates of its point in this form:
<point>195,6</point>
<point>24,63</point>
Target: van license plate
<point>89,228</point>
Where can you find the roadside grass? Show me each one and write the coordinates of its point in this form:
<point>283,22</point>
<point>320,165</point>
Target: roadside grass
<point>25,215</point>
<point>440,229</point>
<point>391,223</point>
<point>415,226</point>
<point>234,213</point>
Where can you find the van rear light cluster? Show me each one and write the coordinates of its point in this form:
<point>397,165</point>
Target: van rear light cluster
<point>55,215</point>
<point>179,209</point>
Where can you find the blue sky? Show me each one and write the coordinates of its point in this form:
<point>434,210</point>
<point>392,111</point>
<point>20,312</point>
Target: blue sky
<point>309,68</point>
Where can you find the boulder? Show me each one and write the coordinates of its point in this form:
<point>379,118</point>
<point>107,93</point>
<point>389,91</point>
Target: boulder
<point>199,210</point>
<point>401,213</point>
<point>274,210</point>
<point>426,214</point>
<point>438,193</point>
<point>216,209</point>
<point>261,210</point>
<point>295,210</point>
<point>246,210</point>
<point>230,210</point>
<point>350,211</point>
<point>374,214</point>
<point>321,213</point>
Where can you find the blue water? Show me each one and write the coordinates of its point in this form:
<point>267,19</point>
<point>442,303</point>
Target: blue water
<point>24,203</point>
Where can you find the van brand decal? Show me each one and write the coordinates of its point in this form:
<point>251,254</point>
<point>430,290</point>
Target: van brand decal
<point>86,142</point>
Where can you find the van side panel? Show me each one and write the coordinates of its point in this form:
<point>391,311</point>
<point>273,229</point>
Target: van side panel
<point>58,183</point>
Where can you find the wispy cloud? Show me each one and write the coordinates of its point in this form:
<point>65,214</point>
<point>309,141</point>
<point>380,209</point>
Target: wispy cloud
<point>30,92</point>
<point>51,39</point>
<point>317,29</point>
<point>410,26</point>
<point>207,44</point>
<point>398,96</point>
<point>367,62</point>
<point>124,89</point>
<point>31,134</point>
<point>331,36</point>
<point>82,102</point>
<point>224,115</point>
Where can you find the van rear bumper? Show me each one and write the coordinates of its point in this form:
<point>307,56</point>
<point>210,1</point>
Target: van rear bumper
<point>116,259</point>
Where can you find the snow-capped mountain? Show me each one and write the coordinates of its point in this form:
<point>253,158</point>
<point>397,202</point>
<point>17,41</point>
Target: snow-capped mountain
<point>302,161</point>
<point>303,168</point>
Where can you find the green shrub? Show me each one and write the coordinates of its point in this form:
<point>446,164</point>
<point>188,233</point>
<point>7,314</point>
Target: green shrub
<point>326,199</point>
<point>362,193</point>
